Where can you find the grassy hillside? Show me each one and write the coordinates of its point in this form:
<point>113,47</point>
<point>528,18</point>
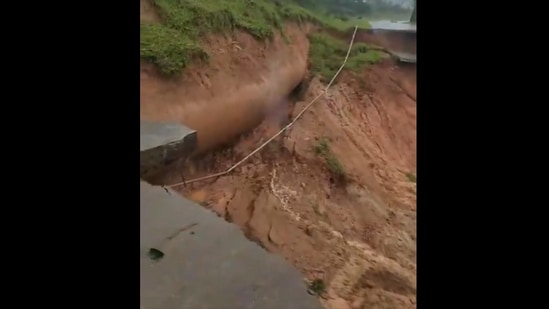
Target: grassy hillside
<point>174,43</point>
<point>328,53</point>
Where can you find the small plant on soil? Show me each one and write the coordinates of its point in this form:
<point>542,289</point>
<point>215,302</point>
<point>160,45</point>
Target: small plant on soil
<point>411,177</point>
<point>322,147</point>
<point>323,150</point>
<point>317,287</point>
<point>335,167</point>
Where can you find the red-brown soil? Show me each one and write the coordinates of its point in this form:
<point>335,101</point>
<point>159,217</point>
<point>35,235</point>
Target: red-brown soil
<point>357,234</point>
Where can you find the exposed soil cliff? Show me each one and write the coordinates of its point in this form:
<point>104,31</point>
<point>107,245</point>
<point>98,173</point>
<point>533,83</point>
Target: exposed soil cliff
<point>336,194</point>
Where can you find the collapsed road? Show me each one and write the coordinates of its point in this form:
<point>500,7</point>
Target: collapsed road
<point>205,262</point>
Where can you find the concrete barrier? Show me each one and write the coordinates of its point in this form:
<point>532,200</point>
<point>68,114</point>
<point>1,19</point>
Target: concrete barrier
<point>162,144</point>
<point>405,57</point>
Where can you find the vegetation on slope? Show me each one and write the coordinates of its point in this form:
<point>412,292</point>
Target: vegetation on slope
<point>328,53</point>
<point>322,149</point>
<point>172,44</point>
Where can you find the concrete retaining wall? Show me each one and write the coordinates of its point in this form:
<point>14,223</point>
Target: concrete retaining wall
<point>163,144</point>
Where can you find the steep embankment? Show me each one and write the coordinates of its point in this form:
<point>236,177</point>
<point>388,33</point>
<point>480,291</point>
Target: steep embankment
<point>335,195</point>
<point>231,95</point>
<point>256,54</point>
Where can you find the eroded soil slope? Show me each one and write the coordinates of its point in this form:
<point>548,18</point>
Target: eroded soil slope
<point>353,226</point>
<point>243,81</point>
<point>358,235</point>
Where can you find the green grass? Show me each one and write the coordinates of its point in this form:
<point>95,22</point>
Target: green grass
<point>411,177</point>
<point>317,287</point>
<point>168,49</point>
<point>328,53</point>
<point>175,42</point>
<point>323,150</point>
<point>172,44</point>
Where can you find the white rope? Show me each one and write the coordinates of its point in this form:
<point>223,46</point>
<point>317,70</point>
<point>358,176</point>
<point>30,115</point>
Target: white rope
<point>279,132</point>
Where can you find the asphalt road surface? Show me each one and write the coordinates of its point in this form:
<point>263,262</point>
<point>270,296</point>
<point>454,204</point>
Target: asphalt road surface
<point>208,263</point>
